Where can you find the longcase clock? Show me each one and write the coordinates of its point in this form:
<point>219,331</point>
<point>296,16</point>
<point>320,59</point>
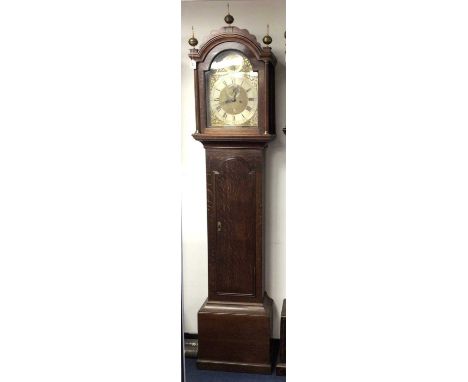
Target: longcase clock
<point>235,120</point>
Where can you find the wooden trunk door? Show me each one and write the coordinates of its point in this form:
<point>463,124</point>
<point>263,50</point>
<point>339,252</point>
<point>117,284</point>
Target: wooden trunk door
<point>234,179</point>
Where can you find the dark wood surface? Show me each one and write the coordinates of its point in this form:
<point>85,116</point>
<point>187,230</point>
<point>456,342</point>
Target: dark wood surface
<point>235,323</point>
<point>236,336</point>
<point>235,223</point>
<point>281,364</point>
<point>280,367</point>
<point>282,351</point>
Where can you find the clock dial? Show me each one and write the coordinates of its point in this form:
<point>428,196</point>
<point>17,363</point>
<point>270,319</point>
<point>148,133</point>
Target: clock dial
<point>233,100</point>
<point>232,91</point>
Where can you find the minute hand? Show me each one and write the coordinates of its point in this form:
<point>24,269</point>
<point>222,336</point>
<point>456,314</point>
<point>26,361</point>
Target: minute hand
<point>236,92</point>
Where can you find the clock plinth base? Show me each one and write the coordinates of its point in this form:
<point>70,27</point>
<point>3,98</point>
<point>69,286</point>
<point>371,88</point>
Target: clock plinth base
<point>235,336</point>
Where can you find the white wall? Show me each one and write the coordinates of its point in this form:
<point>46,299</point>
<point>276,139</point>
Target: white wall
<point>254,16</point>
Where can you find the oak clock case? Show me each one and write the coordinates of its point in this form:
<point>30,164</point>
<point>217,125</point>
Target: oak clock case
<point>234,103</point>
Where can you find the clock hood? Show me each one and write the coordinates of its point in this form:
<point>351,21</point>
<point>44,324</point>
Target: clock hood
<point>233,34</point>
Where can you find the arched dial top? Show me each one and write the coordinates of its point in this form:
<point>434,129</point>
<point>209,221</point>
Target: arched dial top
<point>232,91</point>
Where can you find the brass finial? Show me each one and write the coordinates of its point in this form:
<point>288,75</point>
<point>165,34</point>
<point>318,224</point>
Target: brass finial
<point>228,18</point>
<point>192,40</point>
<point>267,38</point>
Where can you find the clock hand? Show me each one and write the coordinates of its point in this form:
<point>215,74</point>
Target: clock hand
<point>236,92</point>
<point>233,95</point>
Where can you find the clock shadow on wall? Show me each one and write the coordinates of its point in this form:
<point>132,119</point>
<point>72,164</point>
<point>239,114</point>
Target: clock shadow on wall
<point>235,119</point>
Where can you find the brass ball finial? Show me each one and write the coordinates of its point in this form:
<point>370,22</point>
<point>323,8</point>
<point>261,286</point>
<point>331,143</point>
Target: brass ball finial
<point>193,42</point>
<point>228,18</point>
<point>267,38</point>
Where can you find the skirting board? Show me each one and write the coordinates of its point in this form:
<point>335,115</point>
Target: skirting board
<point>235,367</point>
<point>191,346</point>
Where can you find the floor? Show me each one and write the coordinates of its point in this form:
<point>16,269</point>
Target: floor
<point>194,375</point>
